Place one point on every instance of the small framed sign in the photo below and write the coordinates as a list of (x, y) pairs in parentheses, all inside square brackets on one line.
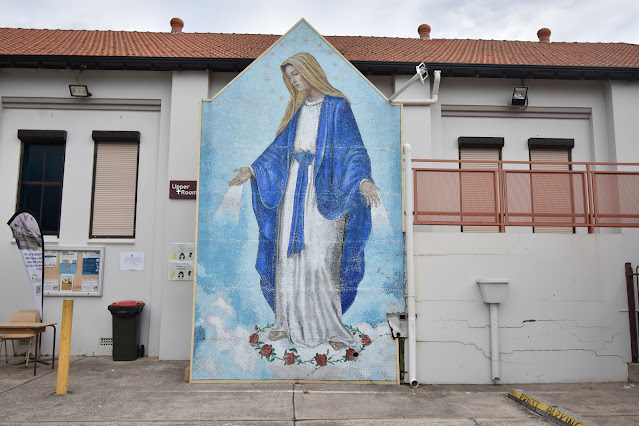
[(183, 189)]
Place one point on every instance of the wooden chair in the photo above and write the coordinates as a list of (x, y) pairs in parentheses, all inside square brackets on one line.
[(20, 316)]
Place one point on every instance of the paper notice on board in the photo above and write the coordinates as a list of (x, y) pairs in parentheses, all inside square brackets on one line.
[(68, 262), (90, 286), (90, 263), (51, 286), (68, 257), (50, 258), (66, 282), (131, 261)]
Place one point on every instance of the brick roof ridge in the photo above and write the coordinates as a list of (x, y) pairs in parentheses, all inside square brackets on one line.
[(326, 36)]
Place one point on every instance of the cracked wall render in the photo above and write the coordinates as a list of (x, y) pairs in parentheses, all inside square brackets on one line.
[(564, 319)]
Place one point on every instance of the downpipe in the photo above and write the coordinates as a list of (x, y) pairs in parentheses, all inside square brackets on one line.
[(494, 342), (434, 97), (410, 267)]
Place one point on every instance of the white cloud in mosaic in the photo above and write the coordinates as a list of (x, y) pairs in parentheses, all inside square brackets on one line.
[(201, 271), (233, 341), (209, 365), (224, 305)]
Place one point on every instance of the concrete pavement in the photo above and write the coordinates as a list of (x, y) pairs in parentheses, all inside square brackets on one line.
[(149, 391)]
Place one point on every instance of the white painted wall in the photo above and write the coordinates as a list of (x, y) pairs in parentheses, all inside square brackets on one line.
[(175, 317), (91, 319), (565, 317)]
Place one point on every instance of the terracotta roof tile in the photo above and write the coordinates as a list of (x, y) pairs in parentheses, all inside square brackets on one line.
[(29, 42)]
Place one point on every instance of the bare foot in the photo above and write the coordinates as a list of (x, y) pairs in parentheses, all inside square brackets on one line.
[(336, 345), (276, 335)]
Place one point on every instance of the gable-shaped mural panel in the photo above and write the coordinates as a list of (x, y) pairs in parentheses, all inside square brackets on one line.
[(299, 245)]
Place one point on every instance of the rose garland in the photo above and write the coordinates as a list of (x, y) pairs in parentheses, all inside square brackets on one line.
[(291, 357)]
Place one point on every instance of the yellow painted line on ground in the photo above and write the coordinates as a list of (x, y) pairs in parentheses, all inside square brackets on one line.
[(543, 409)]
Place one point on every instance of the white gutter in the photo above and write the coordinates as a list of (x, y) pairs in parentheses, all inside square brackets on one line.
[(410, 267), (420, 102)]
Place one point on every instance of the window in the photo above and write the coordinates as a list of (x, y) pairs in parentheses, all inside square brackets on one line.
[(41, 176), (115, 183), (551, 192), (478, 189)]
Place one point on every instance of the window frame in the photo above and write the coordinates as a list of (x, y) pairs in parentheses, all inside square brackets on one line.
[(114, 137), (45, 138), (559, 145), (468, 143)]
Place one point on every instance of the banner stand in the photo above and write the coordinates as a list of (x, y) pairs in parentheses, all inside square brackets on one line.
[(26, 231)]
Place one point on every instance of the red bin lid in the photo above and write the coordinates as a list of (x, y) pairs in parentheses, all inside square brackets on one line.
[(127, 303)]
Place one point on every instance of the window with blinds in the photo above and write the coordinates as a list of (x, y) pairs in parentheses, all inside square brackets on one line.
[(557, 186), (478, 189), (115, 183)]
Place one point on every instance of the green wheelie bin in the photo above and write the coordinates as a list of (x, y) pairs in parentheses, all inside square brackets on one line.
[(126, 330)]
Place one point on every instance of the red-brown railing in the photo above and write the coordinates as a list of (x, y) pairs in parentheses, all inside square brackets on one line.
[(509, 193)]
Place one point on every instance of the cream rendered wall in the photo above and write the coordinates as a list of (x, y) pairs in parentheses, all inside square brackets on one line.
[(187, 91), (565, 316), (622, 108), (91, 319), (563, 319)]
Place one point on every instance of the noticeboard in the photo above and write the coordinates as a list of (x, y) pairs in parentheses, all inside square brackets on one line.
[(73, 271)]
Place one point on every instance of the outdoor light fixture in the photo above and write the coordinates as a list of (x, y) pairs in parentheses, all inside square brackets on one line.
[(520, 96), (79, 90)]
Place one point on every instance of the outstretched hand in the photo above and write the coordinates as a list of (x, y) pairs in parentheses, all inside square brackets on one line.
[(370, 192), (243, 174)]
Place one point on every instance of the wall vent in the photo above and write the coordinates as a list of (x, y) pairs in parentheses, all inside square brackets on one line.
[(23, 342), (106, 341)]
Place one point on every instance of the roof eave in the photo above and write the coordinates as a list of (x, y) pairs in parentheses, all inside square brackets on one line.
[(366, 67), (504, 71)]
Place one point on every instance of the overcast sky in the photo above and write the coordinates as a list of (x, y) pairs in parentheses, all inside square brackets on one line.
[(569, 20)]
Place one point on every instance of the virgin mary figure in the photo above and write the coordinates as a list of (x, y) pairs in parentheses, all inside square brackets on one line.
[(312, 192)]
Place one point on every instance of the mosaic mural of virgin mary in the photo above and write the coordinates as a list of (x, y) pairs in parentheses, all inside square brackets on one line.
[(312, 192)]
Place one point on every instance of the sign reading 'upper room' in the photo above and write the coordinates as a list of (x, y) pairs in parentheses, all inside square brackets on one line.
[(183, 190)]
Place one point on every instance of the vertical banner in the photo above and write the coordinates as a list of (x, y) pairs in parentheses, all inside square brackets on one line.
[(26, 232)]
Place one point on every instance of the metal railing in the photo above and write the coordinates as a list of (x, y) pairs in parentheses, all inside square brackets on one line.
[(526, 193)]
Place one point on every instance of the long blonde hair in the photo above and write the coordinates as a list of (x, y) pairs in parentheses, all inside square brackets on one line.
[(308, 66)]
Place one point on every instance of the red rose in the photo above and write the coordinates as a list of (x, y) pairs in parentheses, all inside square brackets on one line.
[(349, 354), (266, 350), (289, 358), (320, 359), (256, 328), (255, 338), (366, 340)]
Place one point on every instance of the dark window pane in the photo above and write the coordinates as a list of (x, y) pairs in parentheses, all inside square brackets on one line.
[(31, 199), (43, 162), (50, 220), (54, 166), (33, 165)]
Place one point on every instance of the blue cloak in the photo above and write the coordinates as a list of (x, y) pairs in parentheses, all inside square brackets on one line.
[(341, 163)]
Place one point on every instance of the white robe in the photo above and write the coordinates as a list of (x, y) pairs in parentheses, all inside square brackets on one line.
[(307, 284)]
